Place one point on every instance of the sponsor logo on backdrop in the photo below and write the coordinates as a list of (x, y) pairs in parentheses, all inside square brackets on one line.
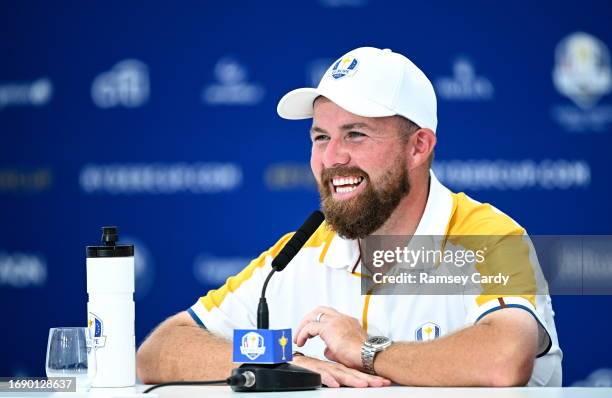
[(18, 180), (582, 73), (464, 84), (160, 178), (599, 378), (125, 85), (316, 69), (287, 176), (144, 267), (501, 174), (35, 93), (213, 270), (22, 270), (232, 86)]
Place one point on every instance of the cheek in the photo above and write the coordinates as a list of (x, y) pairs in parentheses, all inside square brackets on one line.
[(315, 164)]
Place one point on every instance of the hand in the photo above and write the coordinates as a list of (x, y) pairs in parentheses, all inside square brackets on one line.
[(336, 375), (342, 334)]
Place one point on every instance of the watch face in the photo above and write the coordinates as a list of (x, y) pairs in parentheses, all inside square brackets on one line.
[(378, 340)]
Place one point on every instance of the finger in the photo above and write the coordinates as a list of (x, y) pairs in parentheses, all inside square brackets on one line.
[(348, 379), (310, 330), (311, 316), (328, 380), (372, 380)]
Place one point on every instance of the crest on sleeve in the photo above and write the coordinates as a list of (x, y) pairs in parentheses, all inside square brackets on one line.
[(427, 331)]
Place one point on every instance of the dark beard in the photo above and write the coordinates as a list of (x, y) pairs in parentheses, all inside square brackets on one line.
[(362, 215)]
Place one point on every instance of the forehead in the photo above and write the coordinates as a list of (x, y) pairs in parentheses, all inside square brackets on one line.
[(328, 115)]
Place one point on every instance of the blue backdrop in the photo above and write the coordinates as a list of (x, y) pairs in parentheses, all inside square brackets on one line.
[(161, 118)]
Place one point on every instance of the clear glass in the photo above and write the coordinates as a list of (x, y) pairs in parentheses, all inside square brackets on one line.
[(70, 354)]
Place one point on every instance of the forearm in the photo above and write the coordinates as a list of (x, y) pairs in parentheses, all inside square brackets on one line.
[(481, 355), (183, 352)]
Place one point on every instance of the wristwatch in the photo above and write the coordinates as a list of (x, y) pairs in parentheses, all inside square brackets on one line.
[(372, 346)]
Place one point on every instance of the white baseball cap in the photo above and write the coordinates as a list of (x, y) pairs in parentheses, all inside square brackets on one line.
[(369, 82)]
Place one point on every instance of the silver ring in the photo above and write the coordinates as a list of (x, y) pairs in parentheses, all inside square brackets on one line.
[(319, 317)]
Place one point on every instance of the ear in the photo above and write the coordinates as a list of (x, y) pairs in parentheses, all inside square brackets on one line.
[(420, 146)]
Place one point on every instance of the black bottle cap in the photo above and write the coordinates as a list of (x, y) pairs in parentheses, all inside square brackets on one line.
[(110, 248)]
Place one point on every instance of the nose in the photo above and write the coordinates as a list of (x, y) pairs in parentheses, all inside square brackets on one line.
[(335, 154)]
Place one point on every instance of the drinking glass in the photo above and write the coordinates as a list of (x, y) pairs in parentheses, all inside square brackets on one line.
[(70, 354)]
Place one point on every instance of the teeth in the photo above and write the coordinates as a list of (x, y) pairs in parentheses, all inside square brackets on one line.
[(346, 180), (345, 189)]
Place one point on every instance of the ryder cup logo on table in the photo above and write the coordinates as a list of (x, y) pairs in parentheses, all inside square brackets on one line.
[(428, 331), (96, 329), (346, 66), (252, 345), (582, 72), (126, 85)]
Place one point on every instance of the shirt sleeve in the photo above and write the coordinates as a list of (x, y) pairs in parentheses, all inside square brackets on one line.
[(234, 305), (512, 256)]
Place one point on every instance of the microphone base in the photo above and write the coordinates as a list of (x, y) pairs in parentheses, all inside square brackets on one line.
[(278, 377)]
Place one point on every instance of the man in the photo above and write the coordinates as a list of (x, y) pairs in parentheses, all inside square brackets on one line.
[(373, 136)]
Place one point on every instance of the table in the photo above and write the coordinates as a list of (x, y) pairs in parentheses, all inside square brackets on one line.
[(385, 392)]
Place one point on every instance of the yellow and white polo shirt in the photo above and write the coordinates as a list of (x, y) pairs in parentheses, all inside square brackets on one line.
[(327, 272)]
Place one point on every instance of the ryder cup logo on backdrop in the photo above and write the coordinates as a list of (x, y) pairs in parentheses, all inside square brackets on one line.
[(252, 345), (582, 72), (464, 84), (345, 66), (232, 86), (125, 85)]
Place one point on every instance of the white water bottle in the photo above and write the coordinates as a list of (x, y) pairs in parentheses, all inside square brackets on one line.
[(110, 310)]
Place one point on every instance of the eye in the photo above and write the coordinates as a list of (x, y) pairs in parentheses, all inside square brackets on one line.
[(320, 137), (355, 134)]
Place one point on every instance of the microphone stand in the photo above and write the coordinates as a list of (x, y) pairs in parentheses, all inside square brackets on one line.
[(275, 376), (280, 376)]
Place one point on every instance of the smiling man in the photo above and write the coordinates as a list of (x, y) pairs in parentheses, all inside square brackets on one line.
[(373, 138)]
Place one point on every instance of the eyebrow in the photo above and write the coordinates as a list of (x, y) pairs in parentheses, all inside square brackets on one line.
[(348, 126)]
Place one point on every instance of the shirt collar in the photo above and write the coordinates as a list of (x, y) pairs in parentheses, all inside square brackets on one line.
[(344, 253)]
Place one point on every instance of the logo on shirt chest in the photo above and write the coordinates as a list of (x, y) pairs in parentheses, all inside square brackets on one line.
[(427, 331)]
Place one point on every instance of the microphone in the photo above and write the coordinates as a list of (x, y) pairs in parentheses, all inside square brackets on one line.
[(283, 258), (297, 241), (271, 372)]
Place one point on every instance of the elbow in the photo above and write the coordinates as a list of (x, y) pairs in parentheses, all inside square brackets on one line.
[(145, 370), (510, 371)]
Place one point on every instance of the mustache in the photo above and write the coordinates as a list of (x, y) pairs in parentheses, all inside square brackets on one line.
[(342, 171)]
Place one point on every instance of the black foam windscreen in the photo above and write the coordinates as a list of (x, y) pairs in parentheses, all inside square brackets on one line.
[(297, 240)]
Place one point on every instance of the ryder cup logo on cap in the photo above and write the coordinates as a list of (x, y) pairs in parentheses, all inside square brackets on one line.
[(369, 82), (345, 66)]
